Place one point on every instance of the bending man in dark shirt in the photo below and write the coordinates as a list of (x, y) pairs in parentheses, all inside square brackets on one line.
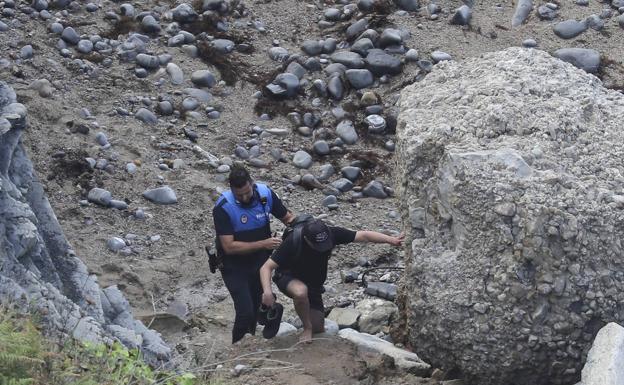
[(301, 277), (241, 219)]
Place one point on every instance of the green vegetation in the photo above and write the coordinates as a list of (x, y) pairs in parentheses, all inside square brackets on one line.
[(27, 358)]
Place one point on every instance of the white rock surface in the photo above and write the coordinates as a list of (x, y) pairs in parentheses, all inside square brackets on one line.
[(403, 359), (605, 361)]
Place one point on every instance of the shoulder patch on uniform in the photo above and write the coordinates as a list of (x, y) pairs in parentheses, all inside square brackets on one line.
[(244, 218)]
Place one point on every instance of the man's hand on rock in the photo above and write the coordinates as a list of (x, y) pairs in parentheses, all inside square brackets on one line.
[(397, 241)]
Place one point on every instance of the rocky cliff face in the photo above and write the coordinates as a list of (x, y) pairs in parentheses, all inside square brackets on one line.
[(510, 176), (38, 269)]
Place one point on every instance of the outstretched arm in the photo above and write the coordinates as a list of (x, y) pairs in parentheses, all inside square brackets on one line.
[(377, 237), (286, 219), (265, 279)]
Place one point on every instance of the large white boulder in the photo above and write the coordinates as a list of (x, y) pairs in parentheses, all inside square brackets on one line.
[(511, 176)]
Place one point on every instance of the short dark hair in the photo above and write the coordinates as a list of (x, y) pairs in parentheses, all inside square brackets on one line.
[(239, 176)]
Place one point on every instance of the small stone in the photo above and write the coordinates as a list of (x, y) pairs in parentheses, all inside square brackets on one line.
[(302, 159), (162, 195), (85, 46), (146, 116), (203, 78), (351, 173), (69, 35), (438, 56), (529, 43), (321, 147), (26, 52), (312, 47), (115, 244), (375, 189), (359, 78), (176, 74), (411, 55), (99, 196), (569, 29), (585, 59), (150, 25), (346, 131), (342, 184), (462, 15)]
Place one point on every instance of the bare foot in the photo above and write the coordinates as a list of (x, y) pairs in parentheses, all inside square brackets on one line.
[(306, 336)]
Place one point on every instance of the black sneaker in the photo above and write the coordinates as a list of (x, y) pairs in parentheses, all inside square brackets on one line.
[(274, 319), (262, 313)]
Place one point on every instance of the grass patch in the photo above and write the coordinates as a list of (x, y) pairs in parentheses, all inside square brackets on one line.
[(28, 358)]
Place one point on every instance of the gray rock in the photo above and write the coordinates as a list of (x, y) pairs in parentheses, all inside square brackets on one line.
[(284, 85), (279, 54), (346, 131), (330, 200), (342, 185), (620, 20), (361, 46), (165, 107), (184, 13), (411, 55), (523, 9), (359, 78), (190, 104), (329, 45), (26, 52), (312, 47), (223, 46), (148, 61), (146, 116), (176, 74), (462, 15), (70, 36), (85, 46), (438, 56), (404, 360), (529, 43), (408, 5), (382, 289), (201, 95), (56, 28), (356, 28), (321, 147), (546, 13), (345, 317), (162, 195), (335, 68), (376, 124), (150, 25), (380, 63), (335, 88), (375, 314), (99, 196), (302, 159), (127, 10), (115, 244), (585, 59), (390, 37), (375, 189), (203, 78), (332, 14), (569, 28), (348, 59), (326, 172), (296, 69), (595, 22), (351, 173)]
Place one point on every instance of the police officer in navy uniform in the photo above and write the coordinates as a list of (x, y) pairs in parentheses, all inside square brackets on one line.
[(241, 219)]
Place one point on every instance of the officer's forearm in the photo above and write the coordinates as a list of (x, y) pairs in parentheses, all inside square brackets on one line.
[(375, 237), (238, 247)]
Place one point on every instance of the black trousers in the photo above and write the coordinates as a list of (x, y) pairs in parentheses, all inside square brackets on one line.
[(242, 279)]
